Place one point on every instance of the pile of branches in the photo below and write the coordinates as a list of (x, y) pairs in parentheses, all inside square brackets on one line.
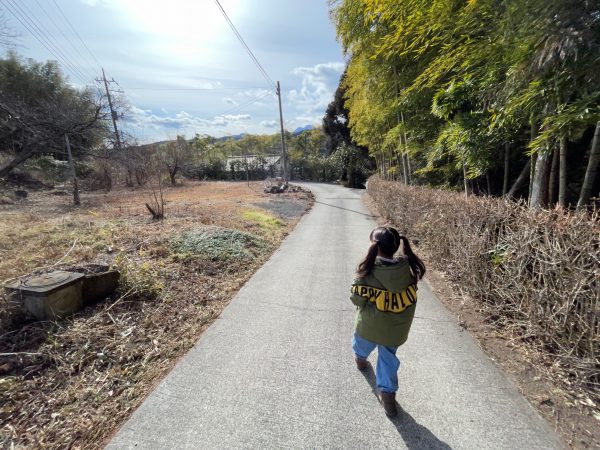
[(533, 270)]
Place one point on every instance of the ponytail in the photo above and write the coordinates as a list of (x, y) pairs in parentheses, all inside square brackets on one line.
[(366, 266), (386, 241), (416, 265)]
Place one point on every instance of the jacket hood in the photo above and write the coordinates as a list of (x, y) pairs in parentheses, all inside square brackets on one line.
[(393, 276)]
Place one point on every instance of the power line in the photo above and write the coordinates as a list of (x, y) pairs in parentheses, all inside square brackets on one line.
[(188, 89), (35, 22), (75, 32), (268, 78), (22, 20), (241, 39), (69, 40), (48, 45), (253, 100), (38, 34)]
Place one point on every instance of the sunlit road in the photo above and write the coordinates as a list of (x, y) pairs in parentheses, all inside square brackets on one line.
[(276, 369)]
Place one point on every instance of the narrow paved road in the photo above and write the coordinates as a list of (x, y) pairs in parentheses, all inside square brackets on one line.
[(276, 369)]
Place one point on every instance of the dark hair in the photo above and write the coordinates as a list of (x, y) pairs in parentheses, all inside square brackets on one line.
[(387, 239)]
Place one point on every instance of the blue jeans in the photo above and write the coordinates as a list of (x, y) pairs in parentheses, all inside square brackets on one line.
[(387, 362)]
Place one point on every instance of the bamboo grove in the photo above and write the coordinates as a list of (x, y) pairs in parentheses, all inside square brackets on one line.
[(498, 96)]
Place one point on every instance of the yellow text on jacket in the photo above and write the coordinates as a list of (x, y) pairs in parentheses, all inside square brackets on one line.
[(385, 300)]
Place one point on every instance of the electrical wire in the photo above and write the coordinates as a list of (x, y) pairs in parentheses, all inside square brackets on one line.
[(38, 34), (67, 38), (188, 89), (253, 100), (32, 23), (41, 40), (35, 22), (76, 33), (241, 39)]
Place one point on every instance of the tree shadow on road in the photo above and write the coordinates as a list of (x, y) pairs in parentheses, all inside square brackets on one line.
[(415, 435)]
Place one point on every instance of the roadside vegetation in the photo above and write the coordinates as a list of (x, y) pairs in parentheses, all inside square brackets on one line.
[(491, 97), (498, 100), (533, 273), (71, 383), (183, 246), (44, 117)]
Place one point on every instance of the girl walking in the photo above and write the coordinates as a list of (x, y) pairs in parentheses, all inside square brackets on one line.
[(385, 293)]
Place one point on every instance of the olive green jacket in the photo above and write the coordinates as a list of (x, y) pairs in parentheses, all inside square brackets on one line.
[(386, 301)]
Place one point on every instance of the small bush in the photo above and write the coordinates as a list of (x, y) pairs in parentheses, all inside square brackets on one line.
[(138, 279), (218, 244)]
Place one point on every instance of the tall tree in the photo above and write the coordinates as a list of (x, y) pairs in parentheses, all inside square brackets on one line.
[(335, 121), (591, 170), (506, 62)]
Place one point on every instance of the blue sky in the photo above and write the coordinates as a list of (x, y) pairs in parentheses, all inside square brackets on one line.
[(158, 51)]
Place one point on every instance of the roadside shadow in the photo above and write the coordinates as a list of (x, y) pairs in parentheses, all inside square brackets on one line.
[(346, 209), (415, 435)]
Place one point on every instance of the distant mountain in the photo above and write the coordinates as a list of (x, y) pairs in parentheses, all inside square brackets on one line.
[(235, 137), (302, 129), (159, 143)]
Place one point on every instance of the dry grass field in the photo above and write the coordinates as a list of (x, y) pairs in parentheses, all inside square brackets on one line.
[(71, 383)]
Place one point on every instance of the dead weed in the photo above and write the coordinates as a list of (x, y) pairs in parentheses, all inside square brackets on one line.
[(72, 383)]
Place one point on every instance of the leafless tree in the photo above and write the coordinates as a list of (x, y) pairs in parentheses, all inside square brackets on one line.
[(41, 129), (156, 204), (175, 155), (7, 35)]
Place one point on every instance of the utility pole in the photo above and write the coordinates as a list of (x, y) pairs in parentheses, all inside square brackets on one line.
[(76, 200), (283, 155), (113, 113)]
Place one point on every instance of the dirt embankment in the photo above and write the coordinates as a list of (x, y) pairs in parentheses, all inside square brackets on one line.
[(72, 383)]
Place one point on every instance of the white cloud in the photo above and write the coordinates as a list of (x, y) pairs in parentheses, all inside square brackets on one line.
[(322, 68), (145, 118), (173, 62), (269, 123), (258, 92), (237, 117), (138, 111), (319, 83), (230, 101)]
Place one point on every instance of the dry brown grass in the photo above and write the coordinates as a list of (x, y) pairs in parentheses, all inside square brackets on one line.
[(73, 382), (533, 271)]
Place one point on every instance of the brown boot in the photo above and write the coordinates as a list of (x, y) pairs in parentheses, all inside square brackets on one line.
[(361, 364), (388, 400)]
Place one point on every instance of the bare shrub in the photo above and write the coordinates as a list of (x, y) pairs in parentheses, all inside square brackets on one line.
[(157, 206), (533, 270)]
